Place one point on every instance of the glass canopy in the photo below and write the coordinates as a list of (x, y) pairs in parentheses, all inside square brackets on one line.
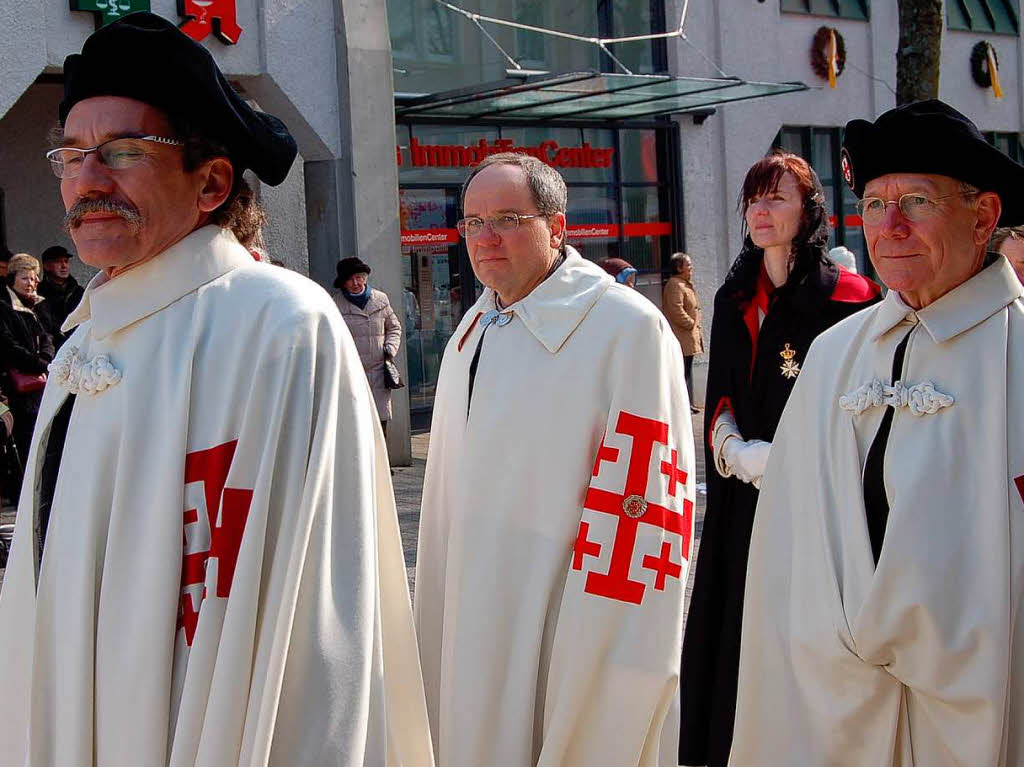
[(586, 96)]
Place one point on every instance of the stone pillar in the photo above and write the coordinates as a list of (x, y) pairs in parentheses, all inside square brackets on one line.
[(352, 200)]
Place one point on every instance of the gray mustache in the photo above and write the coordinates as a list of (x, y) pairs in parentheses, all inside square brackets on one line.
[(83, 207)]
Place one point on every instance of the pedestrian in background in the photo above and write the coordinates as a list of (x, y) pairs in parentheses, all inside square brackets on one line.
[(681, 306), (26, 345), (844, 257), (374, 326), (60, 289), (623, 271), (1009, 241), (781, 292)]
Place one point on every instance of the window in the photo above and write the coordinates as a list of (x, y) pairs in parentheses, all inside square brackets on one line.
[(844, 9), (437, 49), (998, 16), (530, 45), (1007, 143), (421, 29), (820, 147)]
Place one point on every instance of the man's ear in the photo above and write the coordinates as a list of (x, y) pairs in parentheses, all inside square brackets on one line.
[(989, 208), (558, 234), (217, 176)]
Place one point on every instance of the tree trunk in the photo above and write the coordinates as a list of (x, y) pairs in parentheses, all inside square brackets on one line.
[(917, 57)]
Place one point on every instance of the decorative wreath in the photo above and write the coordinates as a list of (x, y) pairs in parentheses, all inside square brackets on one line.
[(819, 52), (979, 63)]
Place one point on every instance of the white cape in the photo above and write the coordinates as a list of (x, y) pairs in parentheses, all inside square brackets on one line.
[(920, 660), (549, 619), (222, 582)]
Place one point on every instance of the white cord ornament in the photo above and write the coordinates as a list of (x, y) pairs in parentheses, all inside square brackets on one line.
[(83, 376), (921, 399)]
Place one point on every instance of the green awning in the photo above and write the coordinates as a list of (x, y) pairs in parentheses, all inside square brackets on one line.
[(587, 96)]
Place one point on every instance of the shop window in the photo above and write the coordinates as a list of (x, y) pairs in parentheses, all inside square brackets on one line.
[(1007, 143), (844, 9), (997, 16), (820, 147)]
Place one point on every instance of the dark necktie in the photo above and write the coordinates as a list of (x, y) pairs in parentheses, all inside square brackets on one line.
[(876, 503)]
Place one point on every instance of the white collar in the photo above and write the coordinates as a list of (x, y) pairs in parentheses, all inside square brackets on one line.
[(201, 257), (968, 304), (556, 307)]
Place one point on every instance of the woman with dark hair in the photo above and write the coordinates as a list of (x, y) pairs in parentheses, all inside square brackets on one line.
[(781, 292), (26, 345)]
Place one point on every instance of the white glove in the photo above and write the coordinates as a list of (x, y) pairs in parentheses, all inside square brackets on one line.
[(746, 460)]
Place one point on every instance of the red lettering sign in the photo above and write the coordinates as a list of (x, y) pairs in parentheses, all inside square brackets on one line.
[(459, 156), (430, 236), (206, 16), (217, 534)]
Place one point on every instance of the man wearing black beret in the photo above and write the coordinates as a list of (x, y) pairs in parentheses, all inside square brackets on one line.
[(59, 287), (884, 619), (221, 579)]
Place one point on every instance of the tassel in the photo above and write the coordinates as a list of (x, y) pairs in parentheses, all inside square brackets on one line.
[(833, 59), (993, 71)]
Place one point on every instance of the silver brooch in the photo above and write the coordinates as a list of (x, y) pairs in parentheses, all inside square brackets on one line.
[(501, 319)]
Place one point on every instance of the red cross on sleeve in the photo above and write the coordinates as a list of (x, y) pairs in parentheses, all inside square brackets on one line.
[(633, 508)]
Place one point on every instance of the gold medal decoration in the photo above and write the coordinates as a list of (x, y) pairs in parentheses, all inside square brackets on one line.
[(790, 368)]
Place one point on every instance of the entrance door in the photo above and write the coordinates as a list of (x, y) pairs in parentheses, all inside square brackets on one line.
[(438, 282)]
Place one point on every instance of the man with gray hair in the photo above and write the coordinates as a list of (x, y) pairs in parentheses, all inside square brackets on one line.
[(558, 502)]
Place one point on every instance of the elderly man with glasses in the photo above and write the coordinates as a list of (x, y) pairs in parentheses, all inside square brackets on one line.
[(558, 502), (884, 620), (221, 581)]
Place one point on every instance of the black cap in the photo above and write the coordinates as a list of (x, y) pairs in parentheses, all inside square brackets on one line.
[(931, 137), (54, 252), (347, 267), (144, 57)]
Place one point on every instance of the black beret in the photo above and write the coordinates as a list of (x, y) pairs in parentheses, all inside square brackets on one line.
[(931, 137), (54, 251), (144, 57), (347, 267)]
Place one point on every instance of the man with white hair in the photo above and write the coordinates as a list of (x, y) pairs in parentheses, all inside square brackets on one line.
[(558, 502), (884, 616)]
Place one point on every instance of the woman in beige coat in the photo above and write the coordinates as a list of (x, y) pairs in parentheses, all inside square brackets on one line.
[(374, 326), (681, 306)]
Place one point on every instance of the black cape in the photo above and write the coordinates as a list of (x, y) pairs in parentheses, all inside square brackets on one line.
[(758, 393)]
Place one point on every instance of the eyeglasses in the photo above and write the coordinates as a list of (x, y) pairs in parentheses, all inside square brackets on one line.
[(503, 224), (116, 154), (915, 207)]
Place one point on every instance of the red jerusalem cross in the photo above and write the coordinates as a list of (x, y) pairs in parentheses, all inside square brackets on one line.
[(631, 508), (219, 534), (205, 16)]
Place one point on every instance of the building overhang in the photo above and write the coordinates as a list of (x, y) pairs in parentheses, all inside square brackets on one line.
[(585, 96)]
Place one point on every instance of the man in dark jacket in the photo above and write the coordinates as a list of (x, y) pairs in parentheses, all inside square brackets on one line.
[(61, 291)]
